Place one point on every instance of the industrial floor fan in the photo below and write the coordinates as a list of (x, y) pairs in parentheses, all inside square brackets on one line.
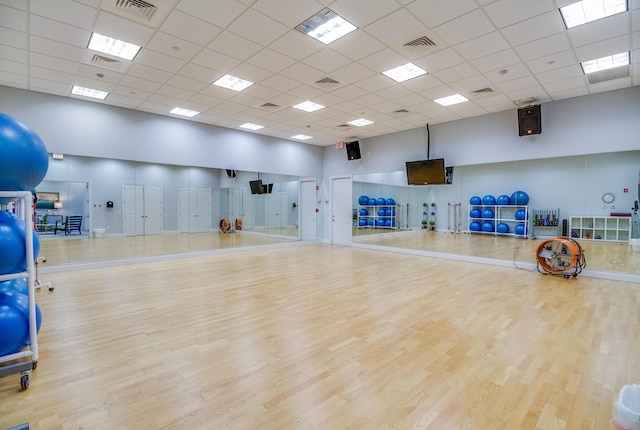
[(560, 256)]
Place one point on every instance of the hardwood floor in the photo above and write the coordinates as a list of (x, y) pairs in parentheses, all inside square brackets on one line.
[(327, 337)]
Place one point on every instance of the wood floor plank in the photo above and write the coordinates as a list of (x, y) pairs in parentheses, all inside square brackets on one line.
[(327, 337)]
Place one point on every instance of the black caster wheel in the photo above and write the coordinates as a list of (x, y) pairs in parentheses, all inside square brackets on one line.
[(34, 365), (24, 382), (50, 288)]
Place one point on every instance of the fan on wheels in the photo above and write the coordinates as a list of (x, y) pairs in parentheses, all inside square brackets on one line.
[(561, 256)]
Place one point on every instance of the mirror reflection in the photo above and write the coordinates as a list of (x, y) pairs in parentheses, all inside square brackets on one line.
[(92, 210)]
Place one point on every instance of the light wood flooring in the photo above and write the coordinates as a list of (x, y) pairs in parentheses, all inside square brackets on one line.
[(327, 337)]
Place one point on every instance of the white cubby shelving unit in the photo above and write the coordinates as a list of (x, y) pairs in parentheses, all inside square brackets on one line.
[(370, 218), (607, 228), (27, 359), (505, 214)]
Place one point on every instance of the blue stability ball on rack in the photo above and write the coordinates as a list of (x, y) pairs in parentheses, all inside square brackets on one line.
[(364, 212), (475, 213), (379, 222), (387, 212), (520, 229), (519, 198), (381, 201), (370, 222), (487, 213), (24, 160), (372, 202), (520, 215), (381, 212), (14, 322), (12, 244), (362, 222), (475, 226), (503, 200), (363, 200), (502, 227), (387, 223), (475, 201), (488, 226), (488, 200), (15, 286), (391, 202)]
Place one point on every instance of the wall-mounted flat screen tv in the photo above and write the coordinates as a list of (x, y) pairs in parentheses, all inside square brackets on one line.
[(256, 186), (426, 172)]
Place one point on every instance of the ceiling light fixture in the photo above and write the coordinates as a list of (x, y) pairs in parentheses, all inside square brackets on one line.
[(89, 92), (232, 83), (451, 100), (326, 26), (184, 112), (301, 137), (586, 11), (605, 63), (308, 106), (404, 72), (250, 126), (111, 46), (360, 122)]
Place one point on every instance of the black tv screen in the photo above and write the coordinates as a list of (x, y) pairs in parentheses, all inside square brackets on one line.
[(426, 172), (256, 186)]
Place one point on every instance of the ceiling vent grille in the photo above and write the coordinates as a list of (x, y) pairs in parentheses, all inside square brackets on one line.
[(608, 75), (138, 8), (420, 42), (327, 81), (271, 107), (344, 126), (483, 91), (400, 111), (110, 63)]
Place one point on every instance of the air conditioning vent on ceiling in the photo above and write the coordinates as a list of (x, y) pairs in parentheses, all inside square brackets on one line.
[(344, 126), (420, 42), (138, 8), (271, 107), (99, 60), (400, 111), (483, 90), (325, 81), (608, 75)]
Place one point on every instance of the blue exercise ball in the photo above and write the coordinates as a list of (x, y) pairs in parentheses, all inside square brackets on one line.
[(379, 222), (387, 223), (370, 222), (475, 201), (391, 202), (475, 226), (488, 200), (487, 213), (488, 226), (362, 222), (372, 202), (387, 212), (519, 198), (12, 244), (503, 200), (520, 230), (364, 212), (24, 161), (381, 212), (520, 215), (381, 201), (502, 227), (14, 322), (393, 222), (19, 286), (475, 213), (363, 200)]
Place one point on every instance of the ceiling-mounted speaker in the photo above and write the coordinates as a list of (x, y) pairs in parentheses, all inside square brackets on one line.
[(353, 150), (529, 120), (231, 173)]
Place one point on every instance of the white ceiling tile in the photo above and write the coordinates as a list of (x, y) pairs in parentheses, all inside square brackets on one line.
[(199, 73), (363, 12), (440, 60), (544, 47), (14, 54), (496, 61), (354, 72), (603, 48), (15, 4), (569, 93), (593, 32), (560, 74), (14, 80), (357, 45), (397, 28), (535, 28), (234, 46), (383, 60), (150, 73), (215, 61), (122, 29), (14, 38), (327, 60), (174, 92), (456, 73), (514, 71), (508, 12), (12, 18), (467, 86), (435, 12), (465, 27), (57, 49), (257, 27), (190, 28), (280, 83), (560, 59), (296, 45), (53, 63), (122, 101), (159, 61), (614, 84), (518, 84), (482, 46), (50, 87), (110, 76), (13, 67), (291, 13), (185, 83), (250, 72), (270, 60), (65, 11), (220, 13), (173, 46), (562, 85), (140, 83), (49, 29)]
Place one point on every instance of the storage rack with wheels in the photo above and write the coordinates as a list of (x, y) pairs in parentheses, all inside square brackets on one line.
[(511, 215), (369, 217), (27, 359)]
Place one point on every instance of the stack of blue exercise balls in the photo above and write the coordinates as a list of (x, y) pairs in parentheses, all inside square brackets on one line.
[(481, 217), (23, 165), (385, 213)]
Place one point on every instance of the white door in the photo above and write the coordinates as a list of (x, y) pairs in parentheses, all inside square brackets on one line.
[(277, 207), (307, 209), (152, 209), (341, 212), (133, 210), (194, 209), (241, 206)]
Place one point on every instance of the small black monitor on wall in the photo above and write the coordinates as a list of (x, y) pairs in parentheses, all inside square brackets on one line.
[(256, 186)]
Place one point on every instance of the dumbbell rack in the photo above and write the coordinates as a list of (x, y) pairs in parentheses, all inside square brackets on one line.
[(28, 356)]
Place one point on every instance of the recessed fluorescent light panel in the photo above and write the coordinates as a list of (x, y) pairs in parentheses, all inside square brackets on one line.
[(404, 72), (605, 63), (89, 92), (232, 83), (360, 122), (326, 26), (301, 137), (111, 46), (590, 10), (250, 126), (451, 100), (308, 106), (184, 112)]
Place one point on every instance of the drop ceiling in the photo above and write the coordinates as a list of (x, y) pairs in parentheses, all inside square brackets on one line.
[(499, 54)]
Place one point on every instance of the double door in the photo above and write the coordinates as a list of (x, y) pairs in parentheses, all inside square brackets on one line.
[(142, 209), (194, 209)]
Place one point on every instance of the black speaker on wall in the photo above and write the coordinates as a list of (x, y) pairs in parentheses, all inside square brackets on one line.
[(231, 173), (353, 150), (529, 120)]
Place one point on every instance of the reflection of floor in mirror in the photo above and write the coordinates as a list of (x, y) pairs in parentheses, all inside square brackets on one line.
[(81, 249), (600, 255)]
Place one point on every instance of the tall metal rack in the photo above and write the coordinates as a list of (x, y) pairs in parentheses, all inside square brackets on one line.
[(28, 358)]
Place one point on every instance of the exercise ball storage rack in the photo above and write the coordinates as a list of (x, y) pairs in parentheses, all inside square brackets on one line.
[(27, 359), (560, 256)]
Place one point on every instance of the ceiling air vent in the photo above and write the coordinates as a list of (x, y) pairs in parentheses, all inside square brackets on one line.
[(400, 111), (99, 60), (138, 8), (271, 107), (610, 74), (420, 42), (344, 126), (325, 81), (483, 91)]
